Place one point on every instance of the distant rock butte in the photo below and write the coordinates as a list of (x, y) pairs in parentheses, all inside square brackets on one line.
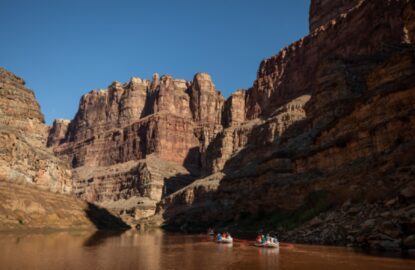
[(318, 149)]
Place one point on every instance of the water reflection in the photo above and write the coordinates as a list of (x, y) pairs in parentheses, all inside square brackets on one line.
[(269, 251), (99, 237), (156, 250)]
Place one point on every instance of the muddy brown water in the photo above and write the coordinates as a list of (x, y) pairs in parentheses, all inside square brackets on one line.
[(159, 250)]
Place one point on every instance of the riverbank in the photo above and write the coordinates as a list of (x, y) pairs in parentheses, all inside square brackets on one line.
[(375, 227), (23, 207)]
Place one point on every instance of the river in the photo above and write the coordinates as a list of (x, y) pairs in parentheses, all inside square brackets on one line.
[(159, 250)]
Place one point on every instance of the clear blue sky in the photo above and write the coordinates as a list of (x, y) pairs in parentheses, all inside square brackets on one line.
[(64, 49)]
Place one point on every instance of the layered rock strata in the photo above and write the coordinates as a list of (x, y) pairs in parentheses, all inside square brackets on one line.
[(23, 153), (131, 189), (323, 11), (322, 135), (119, 135), (32, 179), (25, 207), (345, 156), (142, 117), (367, 28)]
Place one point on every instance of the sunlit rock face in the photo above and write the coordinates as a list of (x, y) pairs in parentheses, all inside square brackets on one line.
[(36, 187), (24, 157), (26, 206), (234, 110), (142, 117), (116, 130), (57, 131)]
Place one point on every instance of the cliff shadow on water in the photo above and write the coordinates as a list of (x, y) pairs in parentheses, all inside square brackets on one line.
[(103, 219), (99, 237)]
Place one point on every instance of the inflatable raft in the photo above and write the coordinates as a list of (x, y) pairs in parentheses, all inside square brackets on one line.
[(228, 240), (268, 244)]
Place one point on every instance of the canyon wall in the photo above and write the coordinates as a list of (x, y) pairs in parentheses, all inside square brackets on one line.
[(129, 121), (23, 153), (320, 148), (365, 29), (325, 154), (36, 186), (323, 11), (133, 143)]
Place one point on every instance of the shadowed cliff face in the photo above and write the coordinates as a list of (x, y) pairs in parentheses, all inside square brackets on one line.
[(323, 11), (367, 28), (324, 153)]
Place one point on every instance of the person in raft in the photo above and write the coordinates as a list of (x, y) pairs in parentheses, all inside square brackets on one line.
[(275, 239), (225, 235), (219, 237), (259, 238), (271, 239)]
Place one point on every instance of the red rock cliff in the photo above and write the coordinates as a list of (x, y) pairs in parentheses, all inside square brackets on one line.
[(367, 28), (118, 128), (323, 11), (31, 177), (23, 156), (322, 136), (324, 154)]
